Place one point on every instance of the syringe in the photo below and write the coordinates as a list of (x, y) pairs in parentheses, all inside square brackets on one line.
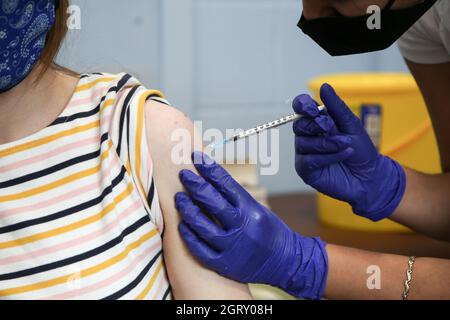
[(258, 129)]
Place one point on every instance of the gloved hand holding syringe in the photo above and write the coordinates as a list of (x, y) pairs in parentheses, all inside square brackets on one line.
[(258, 129)]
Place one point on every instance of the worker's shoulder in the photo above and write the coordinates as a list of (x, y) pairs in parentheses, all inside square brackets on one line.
[(428, 40)]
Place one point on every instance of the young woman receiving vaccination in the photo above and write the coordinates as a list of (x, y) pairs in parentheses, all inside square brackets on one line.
[(86, 185)]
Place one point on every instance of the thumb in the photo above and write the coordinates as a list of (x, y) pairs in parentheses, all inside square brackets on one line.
[(306, 106), (346, 121)]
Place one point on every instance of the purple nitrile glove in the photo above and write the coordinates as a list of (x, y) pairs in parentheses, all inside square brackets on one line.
[(233, 234), (341, 161)]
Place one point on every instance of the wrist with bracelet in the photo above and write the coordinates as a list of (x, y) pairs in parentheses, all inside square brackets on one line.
[(409, 277)]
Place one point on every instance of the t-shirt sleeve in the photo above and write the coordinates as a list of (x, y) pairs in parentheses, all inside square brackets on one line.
[(128, 133), (422, 43)]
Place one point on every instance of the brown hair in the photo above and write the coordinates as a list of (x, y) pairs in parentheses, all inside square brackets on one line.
[(55, 39)]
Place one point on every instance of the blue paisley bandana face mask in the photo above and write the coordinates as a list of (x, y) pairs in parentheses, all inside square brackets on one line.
[(24, 25)]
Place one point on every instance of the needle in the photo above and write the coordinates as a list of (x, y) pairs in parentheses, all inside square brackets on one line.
[(258, 129)]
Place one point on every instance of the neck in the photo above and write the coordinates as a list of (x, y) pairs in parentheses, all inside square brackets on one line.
[(33, 104)]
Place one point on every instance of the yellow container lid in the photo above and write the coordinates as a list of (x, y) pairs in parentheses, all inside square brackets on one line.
[(362, 83)]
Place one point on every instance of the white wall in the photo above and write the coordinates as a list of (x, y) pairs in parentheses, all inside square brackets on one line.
[(230, 63)]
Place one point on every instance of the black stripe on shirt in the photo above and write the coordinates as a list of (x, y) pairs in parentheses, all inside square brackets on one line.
[(80, 257), (135, 282), (125, 107), (79, 115), (120, 84), (128, 144), (151, 193), (64, 213), (157, 98), (166, 294), (55, 168), (128, 132)]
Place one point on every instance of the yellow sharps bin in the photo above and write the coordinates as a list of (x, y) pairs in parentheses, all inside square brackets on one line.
[(405, 134)]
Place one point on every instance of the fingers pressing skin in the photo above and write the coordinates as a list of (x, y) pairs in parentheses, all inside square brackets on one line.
[(210, 199), (200, 158), (198, 248), (218, 177), (199, 223)]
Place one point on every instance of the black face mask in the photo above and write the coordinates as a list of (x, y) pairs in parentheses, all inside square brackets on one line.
[(351, 35)]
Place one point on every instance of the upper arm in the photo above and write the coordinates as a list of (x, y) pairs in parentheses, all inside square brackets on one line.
[(189, 279), (434, 83)]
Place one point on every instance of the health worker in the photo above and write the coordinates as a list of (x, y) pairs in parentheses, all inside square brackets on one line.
[(247, 242)]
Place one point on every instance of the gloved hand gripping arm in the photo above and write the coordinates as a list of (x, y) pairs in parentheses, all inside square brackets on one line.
[(243, 240)]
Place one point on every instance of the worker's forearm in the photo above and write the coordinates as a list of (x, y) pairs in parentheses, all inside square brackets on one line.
[(425, 206), (358, 274)]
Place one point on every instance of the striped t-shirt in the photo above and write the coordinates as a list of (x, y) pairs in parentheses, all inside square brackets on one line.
[(79, 212)]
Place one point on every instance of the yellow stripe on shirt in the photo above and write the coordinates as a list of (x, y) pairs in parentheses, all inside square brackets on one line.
[(107, 103), (70, 227), (139, 134), (91, 84), (57, 183), (81, 274), (36, 143), (31, 237), (149, 286)]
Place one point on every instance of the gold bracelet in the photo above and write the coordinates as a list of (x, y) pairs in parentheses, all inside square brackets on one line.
[(409, 275)]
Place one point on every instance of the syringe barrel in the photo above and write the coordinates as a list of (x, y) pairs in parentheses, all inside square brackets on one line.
[(269, 125)]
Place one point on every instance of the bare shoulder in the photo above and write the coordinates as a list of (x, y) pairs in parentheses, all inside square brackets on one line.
[(188, 278), (163, 125), (165, 118)]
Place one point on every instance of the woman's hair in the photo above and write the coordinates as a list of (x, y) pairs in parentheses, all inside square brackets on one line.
[(55, 38)]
